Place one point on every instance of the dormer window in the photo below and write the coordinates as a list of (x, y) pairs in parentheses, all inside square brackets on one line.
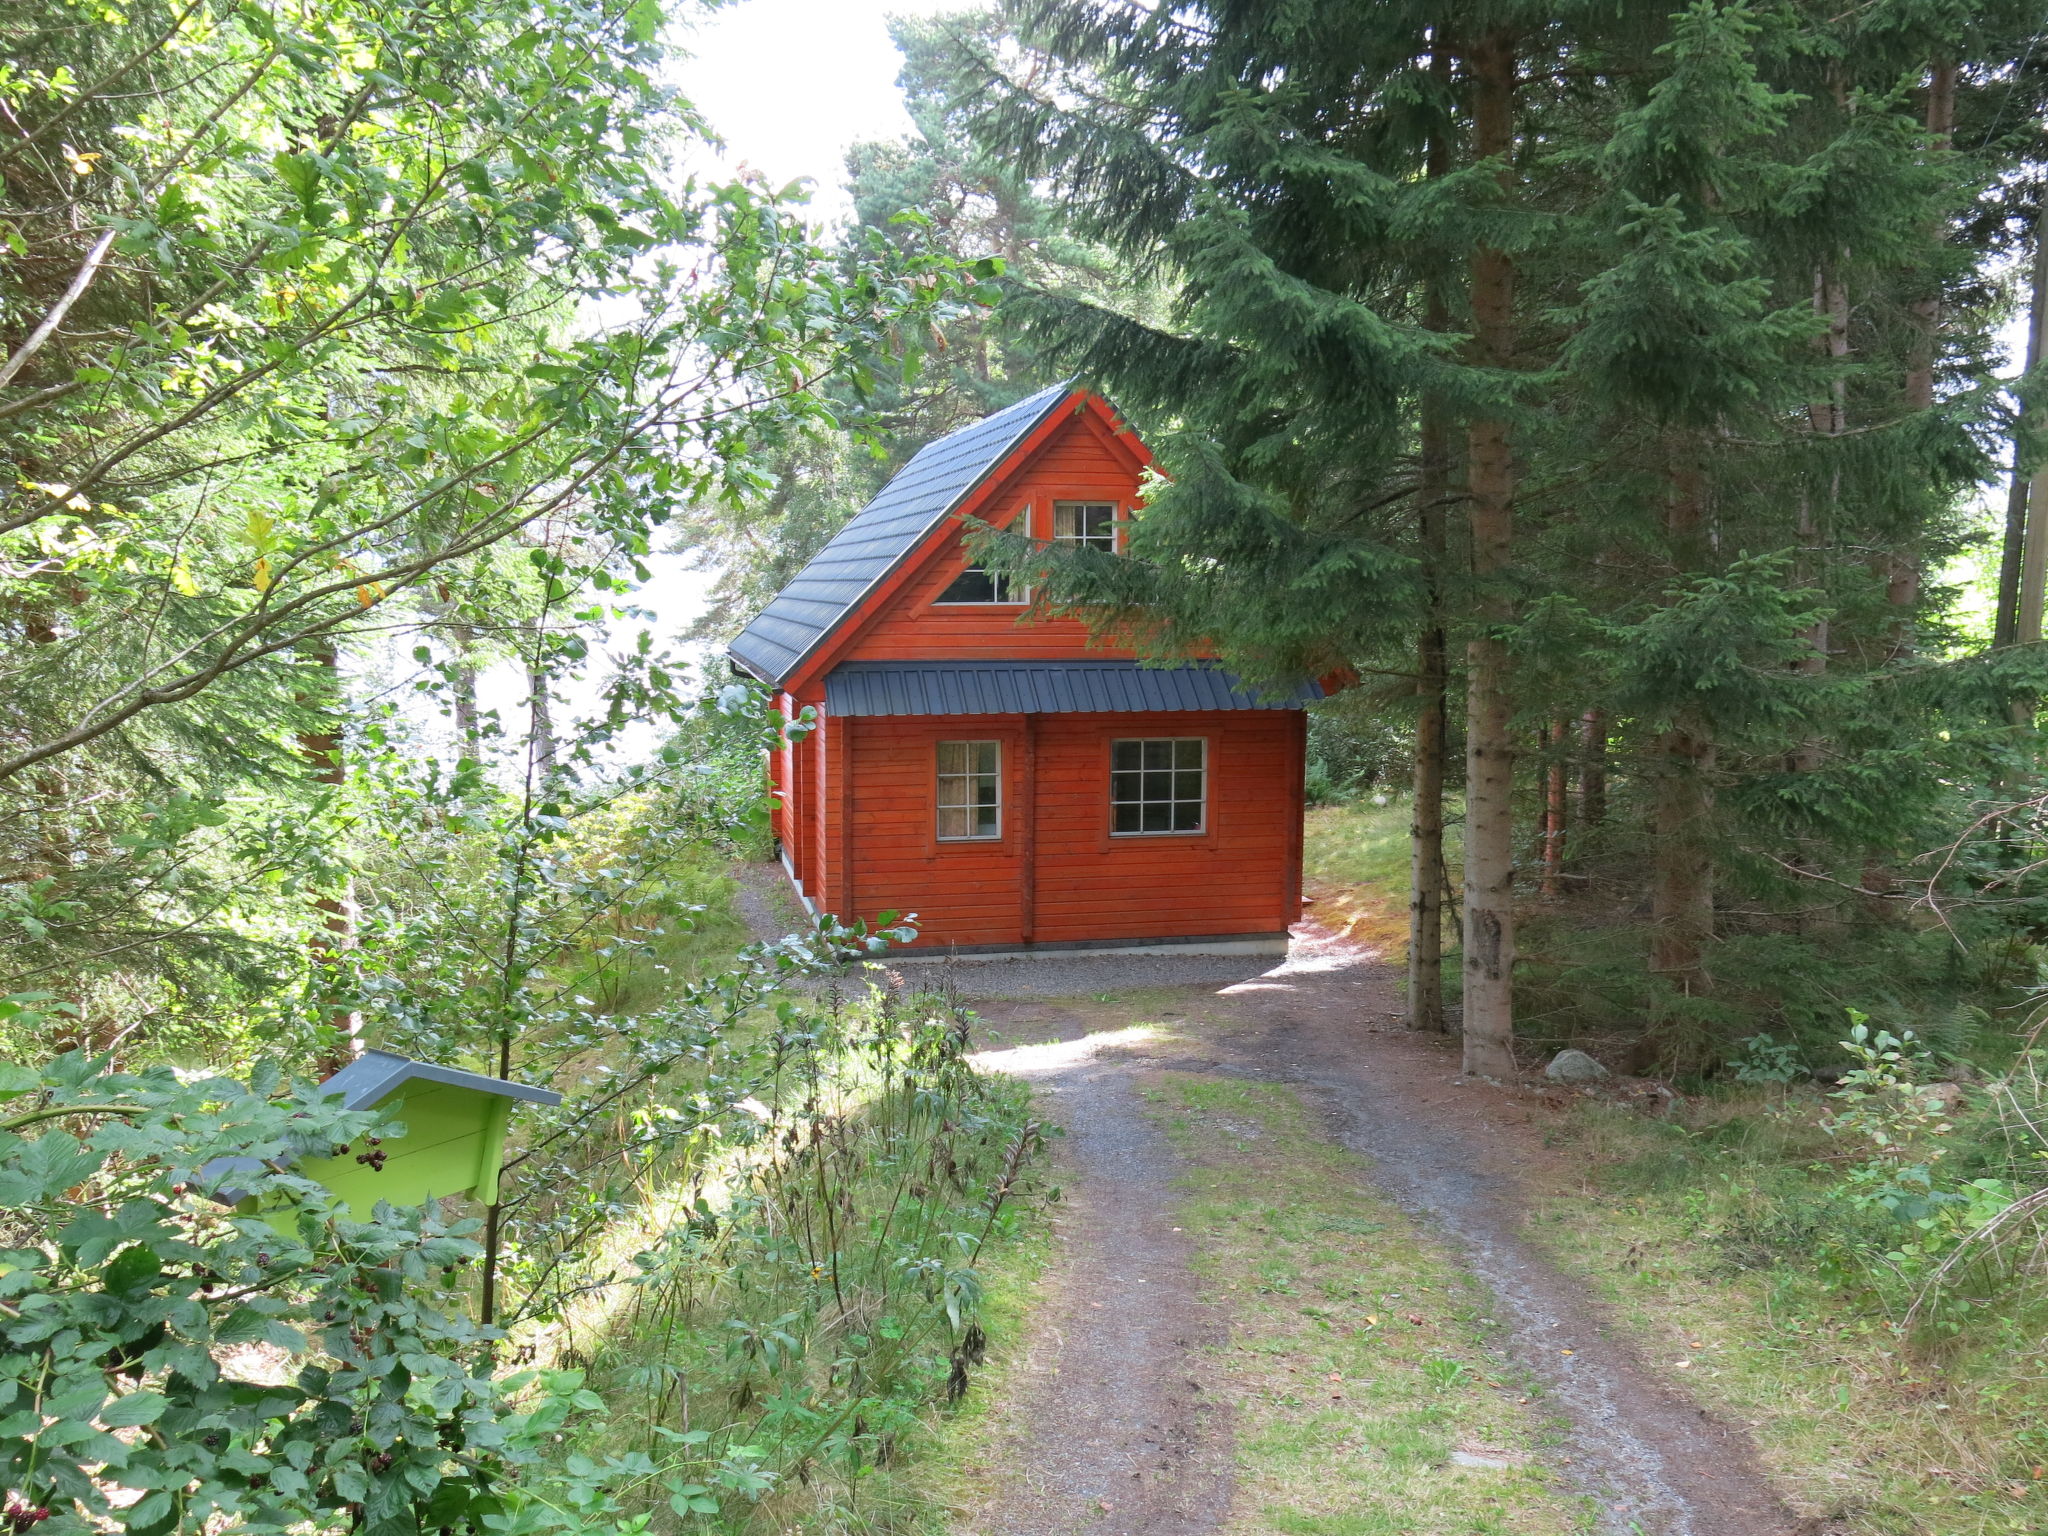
[(974, 585), (1085, 524)]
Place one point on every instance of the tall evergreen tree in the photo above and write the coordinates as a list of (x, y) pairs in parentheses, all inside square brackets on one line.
[(1665, 305)]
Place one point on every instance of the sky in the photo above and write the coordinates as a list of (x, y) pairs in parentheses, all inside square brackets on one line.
[(791, 84)]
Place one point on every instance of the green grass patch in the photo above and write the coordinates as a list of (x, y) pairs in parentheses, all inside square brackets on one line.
[(1355, 868), (1359, 1360)]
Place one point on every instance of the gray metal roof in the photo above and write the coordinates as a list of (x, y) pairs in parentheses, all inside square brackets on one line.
[(375, 1075), (940, 476), (1044, 687)]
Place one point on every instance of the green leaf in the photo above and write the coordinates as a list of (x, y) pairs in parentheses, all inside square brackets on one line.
[(643, 20), (134, 1408), (45, 1168)]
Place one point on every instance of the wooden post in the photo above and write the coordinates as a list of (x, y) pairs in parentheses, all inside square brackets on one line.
[(1026, 811)]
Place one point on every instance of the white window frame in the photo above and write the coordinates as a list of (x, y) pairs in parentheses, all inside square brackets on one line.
[(1018, 595), (1202, 825), (965, 777), (1116, 525)]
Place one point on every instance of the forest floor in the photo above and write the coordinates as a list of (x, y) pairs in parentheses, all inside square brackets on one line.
[(1290, 1289)]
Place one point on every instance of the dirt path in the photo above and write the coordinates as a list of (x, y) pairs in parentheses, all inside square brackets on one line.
[(1114, 1435), (1459, 1154), (1121, 1440), (1116, 1441)]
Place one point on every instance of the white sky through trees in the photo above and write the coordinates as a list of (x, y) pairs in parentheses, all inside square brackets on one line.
[(791, 84), (788, 86)]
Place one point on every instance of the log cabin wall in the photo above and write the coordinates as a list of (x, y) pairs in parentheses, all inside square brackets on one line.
[(1057, 875), (861, 637)]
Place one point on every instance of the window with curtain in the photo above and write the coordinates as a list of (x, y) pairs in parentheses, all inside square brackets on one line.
[(1088, 524), (970, 791)]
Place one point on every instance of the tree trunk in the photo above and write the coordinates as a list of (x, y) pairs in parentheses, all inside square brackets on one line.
[(468, 727), (1682, 864), (1902, 566), (1925, 343), (1682, 886), (540, 722), (1426, 815), (1489, 1021), (1828, 418), (1426, 845), (321, 751), (1554, 810), (2005, 630), (1592, 768)]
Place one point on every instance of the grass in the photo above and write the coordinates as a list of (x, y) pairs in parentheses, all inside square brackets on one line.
[(1710, 1232), (959, 1458), (1355, 857), (1359, 1359)]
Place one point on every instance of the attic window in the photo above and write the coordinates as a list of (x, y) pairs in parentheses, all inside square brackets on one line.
[(974, 585), (1085, 524)]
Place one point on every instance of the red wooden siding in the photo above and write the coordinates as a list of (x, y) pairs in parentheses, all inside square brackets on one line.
[(858, 809), (1056, 875), (1082, 461)]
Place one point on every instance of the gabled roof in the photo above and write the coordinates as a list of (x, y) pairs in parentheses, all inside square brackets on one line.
[(882, 535), (1049, 688), (375, 1075)]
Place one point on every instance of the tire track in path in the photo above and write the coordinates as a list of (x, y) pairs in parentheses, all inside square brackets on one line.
[(1100, 1385), (1111, 1433)]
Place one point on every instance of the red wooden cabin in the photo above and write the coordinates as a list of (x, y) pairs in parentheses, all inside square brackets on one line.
[(985, 767)]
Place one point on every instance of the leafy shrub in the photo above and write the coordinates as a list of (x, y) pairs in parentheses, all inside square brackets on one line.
[(171, 1365)]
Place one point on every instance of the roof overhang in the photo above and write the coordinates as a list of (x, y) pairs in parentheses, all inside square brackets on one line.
[(913, 688)]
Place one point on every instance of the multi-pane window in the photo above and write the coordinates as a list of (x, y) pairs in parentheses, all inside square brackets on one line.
[(974, 585), (1090, 524), (1158, 785), (970, 790)]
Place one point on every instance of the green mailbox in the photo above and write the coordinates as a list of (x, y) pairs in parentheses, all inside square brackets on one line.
[(454, 1141)]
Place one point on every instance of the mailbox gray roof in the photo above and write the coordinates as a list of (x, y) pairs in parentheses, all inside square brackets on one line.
[(375, 1075), (1045, 687), (934, 483)]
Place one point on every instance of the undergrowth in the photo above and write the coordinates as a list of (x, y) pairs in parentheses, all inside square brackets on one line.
[(1864, 1268), (802, 1302)]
